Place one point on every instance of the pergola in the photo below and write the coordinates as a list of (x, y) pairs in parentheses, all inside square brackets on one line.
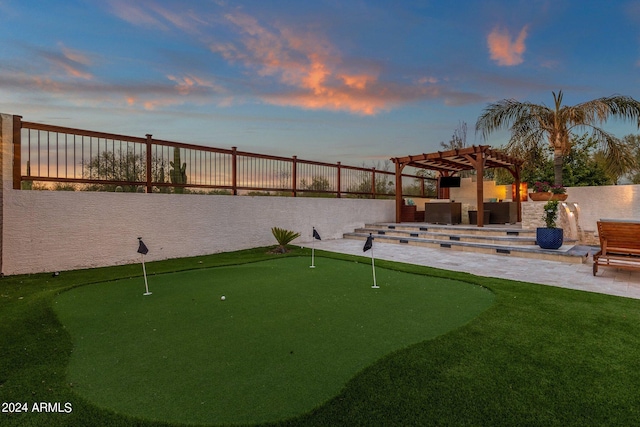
[(448, 163)]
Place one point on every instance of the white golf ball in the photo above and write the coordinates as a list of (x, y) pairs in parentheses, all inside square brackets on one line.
[(222, 298)]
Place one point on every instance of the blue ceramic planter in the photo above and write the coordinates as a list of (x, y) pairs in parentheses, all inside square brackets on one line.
[(549, 238)]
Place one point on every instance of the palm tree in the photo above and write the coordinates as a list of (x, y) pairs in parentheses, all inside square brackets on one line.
[(532, 125)]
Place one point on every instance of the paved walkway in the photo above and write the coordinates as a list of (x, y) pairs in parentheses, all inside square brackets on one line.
[(573, 276)]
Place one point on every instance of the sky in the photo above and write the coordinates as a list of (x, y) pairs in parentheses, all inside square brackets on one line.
[(328, 80)]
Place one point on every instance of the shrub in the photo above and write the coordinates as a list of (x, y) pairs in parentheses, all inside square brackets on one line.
[(550, 213), (283, 237)]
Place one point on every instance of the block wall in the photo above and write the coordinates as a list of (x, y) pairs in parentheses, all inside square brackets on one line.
[(56, 230)]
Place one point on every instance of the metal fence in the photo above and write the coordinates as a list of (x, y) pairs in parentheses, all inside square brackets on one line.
[(54, 157)]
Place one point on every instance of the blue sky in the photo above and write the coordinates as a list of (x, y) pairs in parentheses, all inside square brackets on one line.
[(330, 80)]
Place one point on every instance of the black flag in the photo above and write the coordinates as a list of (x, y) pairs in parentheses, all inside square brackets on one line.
[(316, 235), (368, 244), (142, 248)]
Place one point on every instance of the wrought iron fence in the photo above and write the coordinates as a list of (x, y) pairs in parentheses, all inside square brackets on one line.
[(54, 157)]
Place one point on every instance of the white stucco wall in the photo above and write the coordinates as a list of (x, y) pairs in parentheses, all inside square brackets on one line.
[(610, 201), (53, 230), (47, 231), (57, 230)]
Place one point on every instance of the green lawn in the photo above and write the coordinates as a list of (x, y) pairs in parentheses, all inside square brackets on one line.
[(537, 356), (286, 339)]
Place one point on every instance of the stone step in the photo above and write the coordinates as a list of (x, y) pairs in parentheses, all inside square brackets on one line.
[(569, 252), (488, 230), (454, 235)]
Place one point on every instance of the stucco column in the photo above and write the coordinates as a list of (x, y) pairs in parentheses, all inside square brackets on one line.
[(6, 169)]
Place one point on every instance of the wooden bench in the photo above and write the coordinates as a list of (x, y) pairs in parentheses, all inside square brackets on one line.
[(619, 245)]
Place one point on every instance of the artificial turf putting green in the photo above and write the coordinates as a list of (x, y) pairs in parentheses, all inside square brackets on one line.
[(286, 339)]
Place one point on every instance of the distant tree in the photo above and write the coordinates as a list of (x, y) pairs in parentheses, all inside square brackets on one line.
[(318, 183), (458, 139), (415, 188), (126, 166), (382, 186), (318, 187), (284, 177), (533, 126), (583, 165), (48, 186), (633, 141)]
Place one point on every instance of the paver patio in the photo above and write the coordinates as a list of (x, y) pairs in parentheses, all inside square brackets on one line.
[(567, 275)]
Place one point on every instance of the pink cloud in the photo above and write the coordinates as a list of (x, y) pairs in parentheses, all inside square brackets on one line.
[(185, 88), (357, 81), (189, 84), (308, 64), (145, 13), (71, 62), (503, 49), (136, 14)]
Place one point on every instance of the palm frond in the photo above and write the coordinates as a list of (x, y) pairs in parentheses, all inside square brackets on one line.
[(619, 157), (284, 237), (599, 110), (530, 124), (503, 114)]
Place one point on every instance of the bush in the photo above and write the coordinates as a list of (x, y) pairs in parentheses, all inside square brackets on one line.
[(283, 237)]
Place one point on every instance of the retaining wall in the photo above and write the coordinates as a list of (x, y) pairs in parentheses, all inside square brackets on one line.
[(45, 231), (52, 230), (610, 201)]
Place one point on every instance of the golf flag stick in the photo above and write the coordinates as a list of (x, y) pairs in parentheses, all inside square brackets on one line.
[(143, 250), (369, 245), (313, 241)]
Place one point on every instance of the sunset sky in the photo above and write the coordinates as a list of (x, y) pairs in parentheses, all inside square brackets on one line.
[(350, 80)]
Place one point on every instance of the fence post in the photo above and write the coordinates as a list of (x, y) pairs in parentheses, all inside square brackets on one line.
[(17, 147), (373, 183), (294, 176), (234, 171), (149, 186), (339, 180)]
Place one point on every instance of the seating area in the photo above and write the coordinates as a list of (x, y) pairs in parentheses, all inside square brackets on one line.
[(619, 245), (502, 212), (443, 213)]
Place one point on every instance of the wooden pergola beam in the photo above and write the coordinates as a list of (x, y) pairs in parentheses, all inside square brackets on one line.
[(477, 157)]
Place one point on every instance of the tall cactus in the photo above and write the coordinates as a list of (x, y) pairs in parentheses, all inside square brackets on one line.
[(178, 173), (27, 185)]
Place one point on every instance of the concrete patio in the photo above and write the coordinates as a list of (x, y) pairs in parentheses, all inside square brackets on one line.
[(567, 275)]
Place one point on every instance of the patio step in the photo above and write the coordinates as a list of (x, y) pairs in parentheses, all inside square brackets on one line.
[(498, 240), (487, 230), (454, 235)]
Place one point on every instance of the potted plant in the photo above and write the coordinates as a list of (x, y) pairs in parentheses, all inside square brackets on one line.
[(550, 237), (558, 192), (543, 191)]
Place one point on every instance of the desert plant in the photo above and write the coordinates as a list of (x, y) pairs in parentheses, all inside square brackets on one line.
[(178, 173), (283, 237)]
